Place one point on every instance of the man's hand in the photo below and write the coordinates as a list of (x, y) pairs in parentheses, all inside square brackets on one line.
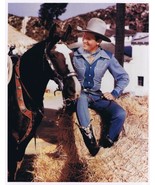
[(109, 96)]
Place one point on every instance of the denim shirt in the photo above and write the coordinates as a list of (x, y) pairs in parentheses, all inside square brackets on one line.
[(90, 75)]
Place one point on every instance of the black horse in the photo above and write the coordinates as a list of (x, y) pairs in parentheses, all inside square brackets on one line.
[(46, 60)]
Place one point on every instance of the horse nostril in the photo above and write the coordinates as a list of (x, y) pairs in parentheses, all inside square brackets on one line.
[(77, 96)]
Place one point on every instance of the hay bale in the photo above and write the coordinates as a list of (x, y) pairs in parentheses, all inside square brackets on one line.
[(126, 161)]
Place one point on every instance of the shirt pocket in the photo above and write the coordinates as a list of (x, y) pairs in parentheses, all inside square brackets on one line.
[(80, 69), (100, 70), (79, 64)]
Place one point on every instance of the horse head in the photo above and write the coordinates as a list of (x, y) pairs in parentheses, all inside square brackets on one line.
[(59, 58)]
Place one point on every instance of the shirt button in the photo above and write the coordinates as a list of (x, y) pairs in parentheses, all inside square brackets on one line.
[(89, 82), (90, 67), (89, 75)]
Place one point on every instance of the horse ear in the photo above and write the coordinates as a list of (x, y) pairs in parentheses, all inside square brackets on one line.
[(67, 33), (52, 31)]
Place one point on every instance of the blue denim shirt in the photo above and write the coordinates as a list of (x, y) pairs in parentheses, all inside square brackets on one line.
[(90, 75)]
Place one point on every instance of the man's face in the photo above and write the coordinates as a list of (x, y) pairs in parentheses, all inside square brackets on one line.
[(89, 42)]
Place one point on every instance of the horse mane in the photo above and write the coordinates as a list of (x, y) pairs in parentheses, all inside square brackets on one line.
[(35, 72), (34, 51)]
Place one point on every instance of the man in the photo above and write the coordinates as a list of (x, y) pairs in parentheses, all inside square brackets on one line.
[(91, 62)]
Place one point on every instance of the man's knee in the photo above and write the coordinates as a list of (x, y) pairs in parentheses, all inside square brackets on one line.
[(121, 114)]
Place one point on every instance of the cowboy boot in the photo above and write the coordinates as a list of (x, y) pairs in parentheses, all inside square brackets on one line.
[(89, 139), (106, 142)]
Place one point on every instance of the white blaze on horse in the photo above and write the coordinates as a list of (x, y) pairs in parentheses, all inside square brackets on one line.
[(46, 60), (76, 87)]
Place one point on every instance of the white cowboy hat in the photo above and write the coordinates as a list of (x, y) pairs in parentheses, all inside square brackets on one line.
[(96, 26)]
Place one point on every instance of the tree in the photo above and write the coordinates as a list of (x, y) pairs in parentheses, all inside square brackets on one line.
[(120, 32), (50, 11)]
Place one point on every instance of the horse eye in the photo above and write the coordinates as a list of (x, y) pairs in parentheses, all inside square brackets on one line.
[(52, 54)]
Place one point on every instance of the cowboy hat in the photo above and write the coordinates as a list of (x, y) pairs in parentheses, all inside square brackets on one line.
[(96, 26)]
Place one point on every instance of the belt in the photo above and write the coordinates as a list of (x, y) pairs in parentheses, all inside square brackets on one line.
[(89, 91)]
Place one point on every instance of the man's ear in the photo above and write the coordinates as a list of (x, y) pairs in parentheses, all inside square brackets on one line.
[(99, 41)]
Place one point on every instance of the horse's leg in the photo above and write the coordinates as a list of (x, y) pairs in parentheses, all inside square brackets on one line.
[(23, 145), (12, 162), (18, 157), (15, 158)]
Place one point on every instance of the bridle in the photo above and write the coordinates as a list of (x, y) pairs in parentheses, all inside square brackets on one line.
[(58, 77)]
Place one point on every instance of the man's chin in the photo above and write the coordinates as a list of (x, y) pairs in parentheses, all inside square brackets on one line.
[(86, 48)]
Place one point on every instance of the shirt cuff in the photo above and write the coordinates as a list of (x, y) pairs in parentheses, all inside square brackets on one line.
[(115, 93)]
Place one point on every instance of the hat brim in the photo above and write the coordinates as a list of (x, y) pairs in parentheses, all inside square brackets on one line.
[(101, 36)]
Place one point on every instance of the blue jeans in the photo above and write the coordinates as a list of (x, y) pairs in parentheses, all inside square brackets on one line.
[(113, 113)]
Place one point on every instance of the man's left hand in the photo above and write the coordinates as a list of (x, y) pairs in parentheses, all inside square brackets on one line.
[(109, 96)]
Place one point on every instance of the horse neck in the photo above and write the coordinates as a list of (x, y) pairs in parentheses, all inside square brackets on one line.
[(34, 74)]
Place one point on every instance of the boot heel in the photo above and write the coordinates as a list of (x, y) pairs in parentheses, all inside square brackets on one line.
[(106, 142)]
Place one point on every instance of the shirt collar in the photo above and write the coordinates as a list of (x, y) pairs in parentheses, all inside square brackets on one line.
[(100, 52)]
